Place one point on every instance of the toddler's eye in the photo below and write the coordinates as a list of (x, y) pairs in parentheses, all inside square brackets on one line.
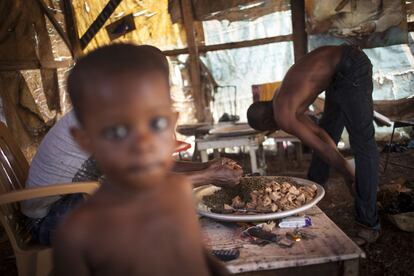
[(116, 133), (159, 123)]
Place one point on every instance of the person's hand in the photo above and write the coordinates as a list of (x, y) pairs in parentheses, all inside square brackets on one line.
[(224, 172), (220, 162)]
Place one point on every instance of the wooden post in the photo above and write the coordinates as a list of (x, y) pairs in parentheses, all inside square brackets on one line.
[(71, 28), (199, 99), (55, 24), (300, 38)]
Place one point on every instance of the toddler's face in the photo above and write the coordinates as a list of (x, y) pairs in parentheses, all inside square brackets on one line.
[(128, 127)]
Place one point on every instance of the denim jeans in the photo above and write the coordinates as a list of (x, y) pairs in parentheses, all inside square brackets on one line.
[(349, 104), (43, 229)]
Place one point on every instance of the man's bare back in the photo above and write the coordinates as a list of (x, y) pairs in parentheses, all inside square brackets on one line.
[(153, 227), (306, 79)]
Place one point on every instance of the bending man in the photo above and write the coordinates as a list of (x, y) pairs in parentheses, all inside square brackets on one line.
[(345, 74)]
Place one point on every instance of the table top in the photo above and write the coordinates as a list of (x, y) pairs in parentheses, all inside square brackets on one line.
[(239, 129), (213, 141), (280, 134), (194, 129), (328, 244), (213, 137)]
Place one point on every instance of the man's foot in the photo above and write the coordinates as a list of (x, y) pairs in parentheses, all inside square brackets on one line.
[(366, 235)]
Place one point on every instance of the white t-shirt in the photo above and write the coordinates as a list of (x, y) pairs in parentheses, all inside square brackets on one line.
[(57, 160)]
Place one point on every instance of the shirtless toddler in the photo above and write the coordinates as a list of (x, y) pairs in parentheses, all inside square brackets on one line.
[(142, 219)]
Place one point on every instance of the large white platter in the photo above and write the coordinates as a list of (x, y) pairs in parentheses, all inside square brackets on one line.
[(203, 210)]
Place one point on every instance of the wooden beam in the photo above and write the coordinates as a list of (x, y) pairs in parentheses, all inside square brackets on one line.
[(246, 43), (55, 24), (17, 65), (71, 28), (199, 99), (199, 33), (232, 45), (99, 22), (300, 38)]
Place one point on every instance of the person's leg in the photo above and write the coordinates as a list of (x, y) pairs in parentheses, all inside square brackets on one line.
[(366, 171), (333, 123), (357, 106), (45, 229)]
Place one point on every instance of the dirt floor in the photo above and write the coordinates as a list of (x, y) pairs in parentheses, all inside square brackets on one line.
[(392, 254)]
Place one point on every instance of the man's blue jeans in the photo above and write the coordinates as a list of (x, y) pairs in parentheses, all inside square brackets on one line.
[(349, 104), (43, 230)]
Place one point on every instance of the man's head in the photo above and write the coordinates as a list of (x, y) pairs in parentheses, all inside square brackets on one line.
[(120, 94), (260, 116)]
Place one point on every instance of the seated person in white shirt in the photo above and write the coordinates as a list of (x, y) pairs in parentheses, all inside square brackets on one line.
[(60, 160)]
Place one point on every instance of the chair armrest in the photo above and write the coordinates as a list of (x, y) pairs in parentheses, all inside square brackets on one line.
[(51, 190)]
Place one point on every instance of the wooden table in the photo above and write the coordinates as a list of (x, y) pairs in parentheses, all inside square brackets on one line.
[(329, 252), (253, 141)]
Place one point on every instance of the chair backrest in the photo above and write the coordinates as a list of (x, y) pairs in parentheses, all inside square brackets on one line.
[(13, 165), (13, 173)]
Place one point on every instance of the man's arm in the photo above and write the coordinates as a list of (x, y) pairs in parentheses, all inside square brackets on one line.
[(222, 172), (317, 139), (223, 176), (320, 132)]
